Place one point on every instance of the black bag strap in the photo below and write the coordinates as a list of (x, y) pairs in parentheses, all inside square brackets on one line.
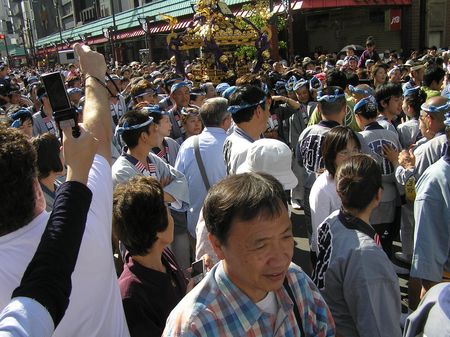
[(199, 160), (296, 312)]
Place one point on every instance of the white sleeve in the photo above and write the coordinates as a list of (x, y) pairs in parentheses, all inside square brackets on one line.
[(100, 212), (320, 210), (25, 317), (203, 246)]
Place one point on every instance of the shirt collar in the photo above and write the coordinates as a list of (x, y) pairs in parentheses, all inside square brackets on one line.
[(241, 133), (247, 311), (446, 156), (214, 129), (373, 126), (351, 222), (328, 124)]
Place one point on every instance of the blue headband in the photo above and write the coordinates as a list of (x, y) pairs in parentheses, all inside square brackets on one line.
[(236, 108), (146, 92), (185, 112), (313, 81), (179, 85), (360, 91), (290, 84), (432, 108), (329, 98), (370, 101), (447, 119), (201, 93), (221, 87), (410, 91), (265, 88), (71, 91), (16, 124), (227, 93), (280, 84), (155, 109), (17, 115), (125, 127), (300, 83)]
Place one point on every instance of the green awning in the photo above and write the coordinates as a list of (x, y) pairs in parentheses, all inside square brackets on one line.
[(129, 19), (14, 50)]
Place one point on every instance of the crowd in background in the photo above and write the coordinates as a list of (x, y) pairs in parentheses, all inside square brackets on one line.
[(357, 140)]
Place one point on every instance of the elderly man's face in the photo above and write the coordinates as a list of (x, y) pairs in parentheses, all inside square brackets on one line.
[(258, 252), (181, 97)]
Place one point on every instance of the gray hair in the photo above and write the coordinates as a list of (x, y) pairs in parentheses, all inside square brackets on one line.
[(214, 111)]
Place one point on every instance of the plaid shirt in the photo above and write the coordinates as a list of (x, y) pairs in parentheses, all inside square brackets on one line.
[(216, 307)]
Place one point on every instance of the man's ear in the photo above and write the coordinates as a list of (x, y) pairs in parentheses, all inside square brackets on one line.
[(384, 103), (216, 246)]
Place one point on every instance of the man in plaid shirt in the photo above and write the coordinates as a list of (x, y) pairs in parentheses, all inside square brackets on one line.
[(250, 292)]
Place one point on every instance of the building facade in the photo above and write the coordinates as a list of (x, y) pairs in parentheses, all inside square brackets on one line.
[(112, 26)]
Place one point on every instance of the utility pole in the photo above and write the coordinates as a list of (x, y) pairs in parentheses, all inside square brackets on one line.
[(31, 38), (113, 33), (274, 53), (288, 8), (58, 21)]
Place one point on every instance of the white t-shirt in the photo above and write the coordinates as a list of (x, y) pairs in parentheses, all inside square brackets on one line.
[(95, 307), (323, 201), (269, 304)]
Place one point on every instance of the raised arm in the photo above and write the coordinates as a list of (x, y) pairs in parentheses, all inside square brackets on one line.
[(96, 115)]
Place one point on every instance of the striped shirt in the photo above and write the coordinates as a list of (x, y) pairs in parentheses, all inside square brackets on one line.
[(216, 307)]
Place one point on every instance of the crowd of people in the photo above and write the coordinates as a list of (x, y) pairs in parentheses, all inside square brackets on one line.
[(98, 233)]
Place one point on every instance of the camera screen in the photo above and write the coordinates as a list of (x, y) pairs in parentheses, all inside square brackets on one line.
[(56, 91)]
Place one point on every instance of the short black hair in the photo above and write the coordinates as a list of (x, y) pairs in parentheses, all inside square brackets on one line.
[(386, 91), (133, 117), (139, 213), (433, 73), (335, 141), (352, 79), (336, 78), (241, 197), (358, 180), (415, 100), (18, 167), (247, 94), (47, 147), (335, 106), (40, 90)]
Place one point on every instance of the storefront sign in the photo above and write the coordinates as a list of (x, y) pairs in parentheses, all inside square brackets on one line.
[(394, 21)]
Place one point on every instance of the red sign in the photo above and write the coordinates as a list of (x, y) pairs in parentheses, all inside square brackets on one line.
[(395, 19), (2, 36)]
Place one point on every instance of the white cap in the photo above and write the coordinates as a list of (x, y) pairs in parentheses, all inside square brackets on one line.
[(272, 157)]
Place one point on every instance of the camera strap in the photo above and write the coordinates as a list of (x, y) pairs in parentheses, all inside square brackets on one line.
[(199, 160)]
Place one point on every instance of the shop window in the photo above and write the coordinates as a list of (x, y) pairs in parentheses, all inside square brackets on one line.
[(66, 9)]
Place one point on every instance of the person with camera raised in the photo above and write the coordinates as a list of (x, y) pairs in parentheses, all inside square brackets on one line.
[(95, 305)]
